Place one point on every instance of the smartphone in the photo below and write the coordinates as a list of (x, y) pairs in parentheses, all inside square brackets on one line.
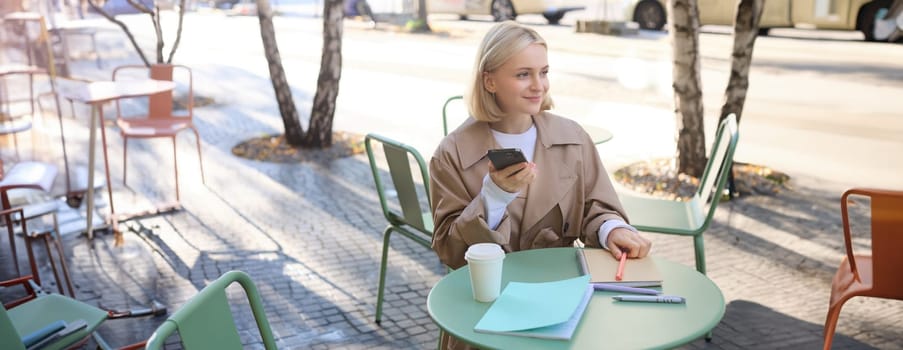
[(505, 157)]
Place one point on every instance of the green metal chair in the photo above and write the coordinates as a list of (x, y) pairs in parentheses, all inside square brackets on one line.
[(206, 321), (414, 221), (47, 321), (31, 320), (693, 217), (445, 113)]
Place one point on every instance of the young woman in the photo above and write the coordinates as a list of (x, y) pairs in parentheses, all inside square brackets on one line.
[(562, 193)]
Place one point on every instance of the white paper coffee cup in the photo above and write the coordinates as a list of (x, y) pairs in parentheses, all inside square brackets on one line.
[(485, 261)]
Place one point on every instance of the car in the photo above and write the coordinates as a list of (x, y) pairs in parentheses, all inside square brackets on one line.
[(223, 4), (501, 10), (859, 15), (122, 7)]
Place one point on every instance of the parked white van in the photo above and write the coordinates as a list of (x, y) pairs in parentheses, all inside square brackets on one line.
[(552, 10), (859, 15)]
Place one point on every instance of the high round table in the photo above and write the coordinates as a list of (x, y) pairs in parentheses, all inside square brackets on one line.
[(605, 324), (96, 94)]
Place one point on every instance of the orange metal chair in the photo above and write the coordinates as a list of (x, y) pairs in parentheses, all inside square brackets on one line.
[(160, 120), (876, 275)]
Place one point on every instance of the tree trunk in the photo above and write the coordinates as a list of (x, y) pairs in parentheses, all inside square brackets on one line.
[(421, 26), (294, 133), (684, 22), (746, 28), (319, 133)]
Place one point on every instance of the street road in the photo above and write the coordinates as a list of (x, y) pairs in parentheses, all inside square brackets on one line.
[(824, 107)]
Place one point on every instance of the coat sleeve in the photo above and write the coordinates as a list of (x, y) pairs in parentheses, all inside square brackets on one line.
[(601, 202), (458, 214)]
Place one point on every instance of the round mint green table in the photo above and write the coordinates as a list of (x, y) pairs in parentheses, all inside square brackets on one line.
[(605, 324)]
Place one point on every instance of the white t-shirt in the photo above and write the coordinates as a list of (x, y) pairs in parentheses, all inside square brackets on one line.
[(496, 200)]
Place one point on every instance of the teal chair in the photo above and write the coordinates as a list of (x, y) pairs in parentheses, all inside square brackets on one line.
[(47, 319), (37, 317), (693, 217), (415, 220), (206, 321), (445, 113)]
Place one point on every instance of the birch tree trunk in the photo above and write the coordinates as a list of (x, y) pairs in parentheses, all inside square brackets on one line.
[(319, 133), (422, 25), (684, 33), (294, 133), (746, 27)]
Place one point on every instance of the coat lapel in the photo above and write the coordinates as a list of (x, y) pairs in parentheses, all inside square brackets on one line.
[(554, 176), (479, 140)]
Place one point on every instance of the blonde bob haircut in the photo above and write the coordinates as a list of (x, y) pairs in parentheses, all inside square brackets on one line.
[(502, 42)]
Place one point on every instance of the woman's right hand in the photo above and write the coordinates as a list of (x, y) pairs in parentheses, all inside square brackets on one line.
[(514, 178)]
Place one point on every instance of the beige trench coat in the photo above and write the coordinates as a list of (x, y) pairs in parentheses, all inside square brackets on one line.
[(569, 199)]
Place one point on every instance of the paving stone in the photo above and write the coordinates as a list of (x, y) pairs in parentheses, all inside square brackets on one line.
[(310, 235)]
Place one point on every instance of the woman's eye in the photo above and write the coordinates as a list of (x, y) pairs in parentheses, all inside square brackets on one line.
[(544, 73), (522, 75)]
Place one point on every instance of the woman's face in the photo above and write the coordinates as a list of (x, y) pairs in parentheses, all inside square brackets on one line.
[(520, 83)]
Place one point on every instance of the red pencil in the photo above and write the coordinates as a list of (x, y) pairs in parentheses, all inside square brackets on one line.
[(620, 274)]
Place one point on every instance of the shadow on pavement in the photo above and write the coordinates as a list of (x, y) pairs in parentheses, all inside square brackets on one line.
[(782, 332)]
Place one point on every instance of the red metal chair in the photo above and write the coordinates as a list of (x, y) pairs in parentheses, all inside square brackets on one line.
[(875, 275), (159, 120)]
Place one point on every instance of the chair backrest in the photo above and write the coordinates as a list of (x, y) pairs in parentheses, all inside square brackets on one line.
[(160, 104), (717, 169), (887, 239), (9, 337), (398, 156), (454, 112), (206, 321)]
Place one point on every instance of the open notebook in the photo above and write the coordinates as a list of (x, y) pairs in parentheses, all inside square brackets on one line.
[(550, 310), (602, 267)]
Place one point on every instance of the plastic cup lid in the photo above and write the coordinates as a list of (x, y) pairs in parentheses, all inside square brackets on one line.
[(484, 251)]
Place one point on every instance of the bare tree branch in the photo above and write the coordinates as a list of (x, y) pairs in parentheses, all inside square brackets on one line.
[(124, 29), (172, 51), (158, 30)]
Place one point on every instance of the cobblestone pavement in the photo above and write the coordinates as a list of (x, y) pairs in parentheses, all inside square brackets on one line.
[(309, 234)]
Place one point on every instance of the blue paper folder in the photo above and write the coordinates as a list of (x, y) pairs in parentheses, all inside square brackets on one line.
[(542, 310)]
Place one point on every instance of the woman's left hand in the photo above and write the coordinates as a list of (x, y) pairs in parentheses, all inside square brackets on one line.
[(622, 240)]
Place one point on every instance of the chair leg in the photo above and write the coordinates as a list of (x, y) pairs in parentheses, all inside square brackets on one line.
[(197, 137), (441, 344), (700, 253), (12, 247), (16, 146), (175, 165), (31, 258), (125, 152), (382, 274), (831, 321), (58, 240), (56, 274)]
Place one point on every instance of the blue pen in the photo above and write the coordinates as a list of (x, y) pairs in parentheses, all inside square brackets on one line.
[(624, 289), (666, 299)]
